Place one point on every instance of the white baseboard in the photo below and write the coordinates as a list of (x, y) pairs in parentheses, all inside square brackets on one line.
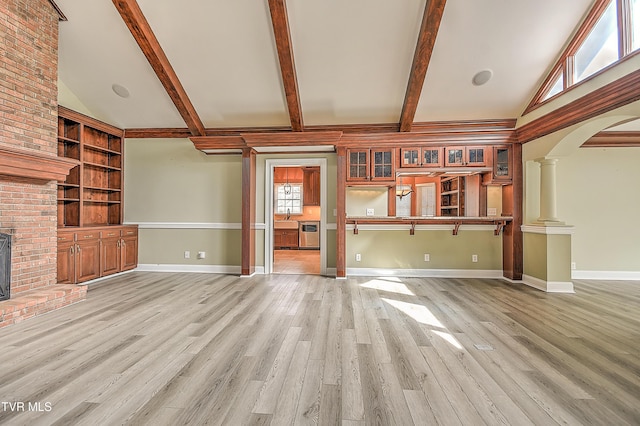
[(426, 273), (203, 269), (606, 275), (548, 286)]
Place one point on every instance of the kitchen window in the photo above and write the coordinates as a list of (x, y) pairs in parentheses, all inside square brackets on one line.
[(288, 202)]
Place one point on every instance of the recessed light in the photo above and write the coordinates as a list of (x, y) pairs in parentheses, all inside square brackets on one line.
[(120, 90), (482, 77)]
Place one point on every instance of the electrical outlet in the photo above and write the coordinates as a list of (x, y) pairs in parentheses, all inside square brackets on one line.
[(474, 257), (427, 257), (187, 254), (201, 255), (335, 212), (370, 212), (358, 257), (573, 265)]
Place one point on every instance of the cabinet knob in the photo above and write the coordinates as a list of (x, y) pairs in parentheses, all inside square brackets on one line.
[(71, 250)]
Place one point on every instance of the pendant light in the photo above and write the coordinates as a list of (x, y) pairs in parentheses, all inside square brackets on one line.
[(287, 186)]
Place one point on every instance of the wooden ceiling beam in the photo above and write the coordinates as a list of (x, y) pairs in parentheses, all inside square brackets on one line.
[(433, 11), (141, 30), (280, 22), (609, 139)]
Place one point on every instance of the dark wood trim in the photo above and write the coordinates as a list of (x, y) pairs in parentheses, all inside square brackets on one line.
[(218, 142), (158, 133), (431, 126), (341, 209), (564, 62), (89, 121), (433, 11), (248, 211), (291, 138), (512, 201), (436, 138), (61, 16), (625, 28), (613, 140), (614, 95), (33, 166), (280, 22), (146, 39)]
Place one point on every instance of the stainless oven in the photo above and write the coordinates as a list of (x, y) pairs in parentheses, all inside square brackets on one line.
[(309, 235)]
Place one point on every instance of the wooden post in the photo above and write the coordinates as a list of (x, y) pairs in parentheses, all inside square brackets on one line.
[(512, 257), (341, 225), (248, 212)]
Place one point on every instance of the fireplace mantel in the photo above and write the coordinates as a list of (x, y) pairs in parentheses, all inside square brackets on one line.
[(33, 166)]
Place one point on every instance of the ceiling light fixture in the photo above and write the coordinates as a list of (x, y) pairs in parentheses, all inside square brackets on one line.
[(120, 90), (482, 77)]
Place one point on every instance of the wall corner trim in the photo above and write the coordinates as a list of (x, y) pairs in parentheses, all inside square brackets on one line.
[(548, 286), (548, 230)]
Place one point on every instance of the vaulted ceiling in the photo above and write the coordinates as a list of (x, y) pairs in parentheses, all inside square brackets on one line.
[(352, 60)]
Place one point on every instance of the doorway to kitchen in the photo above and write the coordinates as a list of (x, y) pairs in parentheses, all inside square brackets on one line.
[(295, 237)]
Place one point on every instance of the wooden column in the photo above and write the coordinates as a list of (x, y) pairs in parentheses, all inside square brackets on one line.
[(341, 225), (512, 257), (248, 212)]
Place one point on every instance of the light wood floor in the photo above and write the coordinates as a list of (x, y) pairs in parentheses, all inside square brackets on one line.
[(171, 349), (296, 262)]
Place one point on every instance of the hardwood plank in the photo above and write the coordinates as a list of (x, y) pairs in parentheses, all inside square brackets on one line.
[(171, 348)]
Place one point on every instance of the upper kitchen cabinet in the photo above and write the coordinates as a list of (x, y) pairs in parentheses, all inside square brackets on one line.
[(466, 156), (370, 164), (421, 157), (501, 172), (311, 186)]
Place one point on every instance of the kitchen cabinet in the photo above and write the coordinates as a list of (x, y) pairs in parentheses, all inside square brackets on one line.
[(421, 157), (501, 171), (311, 186), (84, 255), (370, 164), (465, 156), (285, 238)]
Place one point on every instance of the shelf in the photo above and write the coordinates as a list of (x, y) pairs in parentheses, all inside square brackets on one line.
[(102, 166), (67, 140), (103, 189), (101, 149), (68, 200), (69, 185), (102, 202)]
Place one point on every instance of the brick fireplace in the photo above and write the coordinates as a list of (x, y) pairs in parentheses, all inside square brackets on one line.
[(29, 166)]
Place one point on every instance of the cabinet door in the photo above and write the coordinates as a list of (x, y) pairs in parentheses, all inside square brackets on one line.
[(110, 256), (129, 251), (357, 164), (502, 163), (475, 156), (88, 258), (311, 187), (454, 156), (410, 157), (66, 263), (431, 157), (278, 238), (291, 239), (383, 168)]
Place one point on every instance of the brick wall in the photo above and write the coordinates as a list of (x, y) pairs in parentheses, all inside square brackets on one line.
[(28, 121)]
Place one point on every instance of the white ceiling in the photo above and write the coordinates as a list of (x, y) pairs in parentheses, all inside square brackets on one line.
[(353, 59)]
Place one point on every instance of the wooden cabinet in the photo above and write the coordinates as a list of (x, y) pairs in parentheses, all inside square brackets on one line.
[(311, 186), (92, 193), (501, 171), (285, 238), (465, 156), (421, 157), (84, 255), (370, 164), (452, 196)]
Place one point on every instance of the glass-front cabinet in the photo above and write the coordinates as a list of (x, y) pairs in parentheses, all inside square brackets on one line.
[(465, 156), (421, 157), (371, 164)]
